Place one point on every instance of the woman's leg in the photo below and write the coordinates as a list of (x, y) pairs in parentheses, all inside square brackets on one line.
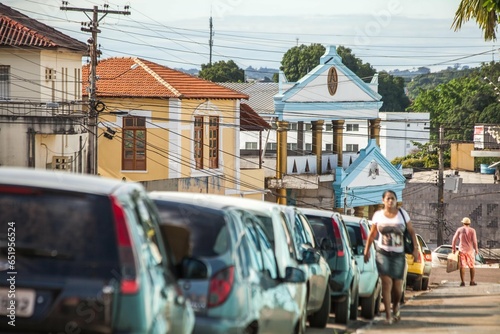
[(386, 294), (397, 287)]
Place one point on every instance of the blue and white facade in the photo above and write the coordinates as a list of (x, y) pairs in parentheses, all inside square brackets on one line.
[(312, 97), (330, 97), (365, 180)]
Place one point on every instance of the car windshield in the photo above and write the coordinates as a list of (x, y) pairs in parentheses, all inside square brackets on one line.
[(208, 231), (60, 233), (443, 250)]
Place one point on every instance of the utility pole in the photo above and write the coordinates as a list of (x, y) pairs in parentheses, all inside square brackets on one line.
[(211, 41), (93, 114), (440, 207)]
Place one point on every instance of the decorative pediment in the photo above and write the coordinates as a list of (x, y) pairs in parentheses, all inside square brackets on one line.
[(364, 181), (331, 91)]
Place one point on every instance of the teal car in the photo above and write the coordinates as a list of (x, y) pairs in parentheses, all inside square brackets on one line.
[(89, 255), (370, 284), (331, 232)]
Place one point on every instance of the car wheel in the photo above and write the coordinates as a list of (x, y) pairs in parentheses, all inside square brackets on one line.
[(253, 328), (342, 310), (425, 283), (368, 306), (417, 284), (320, 318), (378, 302), (354, 307)]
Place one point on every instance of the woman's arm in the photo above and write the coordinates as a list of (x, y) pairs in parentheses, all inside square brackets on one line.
[(416, 253), (369, 242)]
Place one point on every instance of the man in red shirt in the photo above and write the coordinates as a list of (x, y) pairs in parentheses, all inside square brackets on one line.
[(466, 236)]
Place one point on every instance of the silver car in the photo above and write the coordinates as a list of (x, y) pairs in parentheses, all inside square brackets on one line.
[(314, 264), (231, 275)]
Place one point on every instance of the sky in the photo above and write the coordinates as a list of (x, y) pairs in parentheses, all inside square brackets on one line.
[(388, 34)]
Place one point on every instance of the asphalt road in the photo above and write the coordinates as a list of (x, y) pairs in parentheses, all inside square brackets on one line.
[(439, 278)]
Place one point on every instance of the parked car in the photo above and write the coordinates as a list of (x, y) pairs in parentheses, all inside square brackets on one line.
[(240, 285), (419, 272), (329, 228), (370, 285), (440, 256), (87, 256), (317, 270)]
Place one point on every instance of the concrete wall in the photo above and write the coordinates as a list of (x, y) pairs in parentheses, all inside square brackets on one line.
[(477, 201)]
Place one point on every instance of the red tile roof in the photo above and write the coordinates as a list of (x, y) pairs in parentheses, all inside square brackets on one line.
[(19, 30), (136, 77), (250, 120)]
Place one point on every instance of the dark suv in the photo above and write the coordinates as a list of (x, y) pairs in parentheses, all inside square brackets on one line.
[(83, 254), (332, 235)]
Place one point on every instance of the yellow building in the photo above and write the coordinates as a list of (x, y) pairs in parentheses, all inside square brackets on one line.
[(169, 130)]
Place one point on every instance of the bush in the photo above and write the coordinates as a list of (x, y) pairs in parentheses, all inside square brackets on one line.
[(412, 162)]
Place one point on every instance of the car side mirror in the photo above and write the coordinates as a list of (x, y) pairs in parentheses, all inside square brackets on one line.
[(310, 256), (294, 275)]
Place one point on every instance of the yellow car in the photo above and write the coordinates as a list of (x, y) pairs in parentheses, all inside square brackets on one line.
[(419, 272)]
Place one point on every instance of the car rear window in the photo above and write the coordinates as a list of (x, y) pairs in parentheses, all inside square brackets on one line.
[(208, 230), (355, 235), (59, 233), (322, 227)]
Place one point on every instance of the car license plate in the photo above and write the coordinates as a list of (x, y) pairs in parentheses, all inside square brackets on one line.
[(24, 302)]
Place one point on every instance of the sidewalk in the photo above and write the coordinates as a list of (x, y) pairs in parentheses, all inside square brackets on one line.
[(448, 308)]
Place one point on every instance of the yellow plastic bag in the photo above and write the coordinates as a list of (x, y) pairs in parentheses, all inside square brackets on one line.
[(453, 262)]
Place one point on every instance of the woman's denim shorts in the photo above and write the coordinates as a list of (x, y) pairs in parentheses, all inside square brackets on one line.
[(391, 264)]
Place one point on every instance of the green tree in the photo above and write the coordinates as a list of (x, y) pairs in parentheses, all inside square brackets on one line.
[(393, 94), (425, 155), (432, 80), (485, 12), (222, 71), (349, 59), (299, 60), (458, 105)]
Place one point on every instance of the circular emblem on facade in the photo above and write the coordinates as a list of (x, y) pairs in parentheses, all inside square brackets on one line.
[(333, 80)]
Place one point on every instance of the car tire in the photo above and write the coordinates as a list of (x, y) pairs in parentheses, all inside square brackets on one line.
[(354, 307), (417, 284), (425, 283), (253, 328), (320, 318), (378, 302), (369, 305), (403, 289), (342, 310)]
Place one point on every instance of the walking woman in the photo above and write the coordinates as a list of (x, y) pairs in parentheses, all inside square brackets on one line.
[(389, 225)]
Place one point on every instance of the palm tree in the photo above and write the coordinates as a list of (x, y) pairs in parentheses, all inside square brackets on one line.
[(485, 13)]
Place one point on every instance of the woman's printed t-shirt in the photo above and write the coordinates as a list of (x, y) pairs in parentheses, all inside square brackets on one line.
[(390, 231)]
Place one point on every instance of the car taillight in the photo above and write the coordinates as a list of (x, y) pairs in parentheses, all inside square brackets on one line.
[(129, 283), (338, 238), (220, 287), (428, 257), (364, 234)]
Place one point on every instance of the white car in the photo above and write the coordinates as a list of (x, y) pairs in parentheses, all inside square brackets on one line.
[(440, 256)]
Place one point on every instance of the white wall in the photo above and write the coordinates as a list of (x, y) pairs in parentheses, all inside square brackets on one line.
[(398, 129), (27, 75)]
